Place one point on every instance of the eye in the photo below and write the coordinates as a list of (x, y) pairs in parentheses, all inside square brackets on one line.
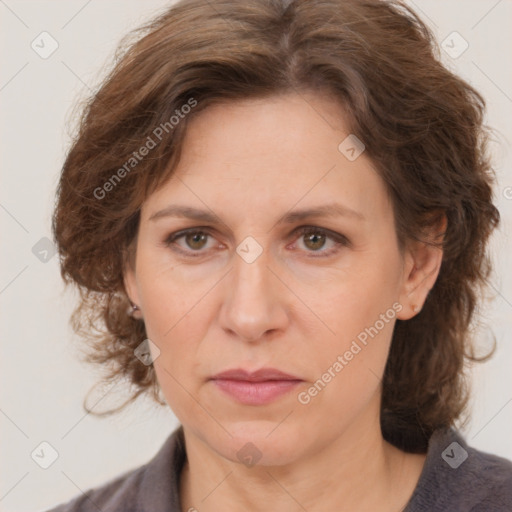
[(315, 239), (194, 239)]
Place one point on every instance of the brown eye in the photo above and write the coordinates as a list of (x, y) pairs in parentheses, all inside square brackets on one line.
[(318, 242), (314, 240), (321, 241), (196, 240), (189, 242)]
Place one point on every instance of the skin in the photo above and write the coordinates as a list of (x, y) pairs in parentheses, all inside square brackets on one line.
[(250, 162)]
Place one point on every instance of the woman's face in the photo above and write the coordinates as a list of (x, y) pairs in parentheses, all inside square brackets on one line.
[(246, 289)]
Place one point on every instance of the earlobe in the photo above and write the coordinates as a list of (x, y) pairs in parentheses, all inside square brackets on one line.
[(130, 286), (419, 282), (422, 265)]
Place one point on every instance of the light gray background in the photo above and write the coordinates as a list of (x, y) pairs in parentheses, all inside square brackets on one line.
[(43, 383)]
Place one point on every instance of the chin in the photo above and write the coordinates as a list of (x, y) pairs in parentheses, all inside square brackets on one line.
[(262, 443)]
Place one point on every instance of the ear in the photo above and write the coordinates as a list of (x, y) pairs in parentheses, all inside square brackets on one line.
[(422, 262), (130, 281)]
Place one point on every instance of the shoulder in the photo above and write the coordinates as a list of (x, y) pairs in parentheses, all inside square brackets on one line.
[(119, 493), (489, 478), (458, 477), (151, 487)]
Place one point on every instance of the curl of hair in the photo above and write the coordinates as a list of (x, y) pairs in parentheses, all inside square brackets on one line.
[(422, 127)]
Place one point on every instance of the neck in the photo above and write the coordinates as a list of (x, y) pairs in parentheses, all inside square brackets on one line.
[(334, 478)]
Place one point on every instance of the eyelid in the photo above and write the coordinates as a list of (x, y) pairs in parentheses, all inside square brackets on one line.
[(172, 237), (340, 239)]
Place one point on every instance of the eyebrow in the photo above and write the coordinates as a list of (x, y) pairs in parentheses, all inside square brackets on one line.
[(327, 210)]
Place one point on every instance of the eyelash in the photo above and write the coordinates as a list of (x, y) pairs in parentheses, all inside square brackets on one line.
[(341, 240)]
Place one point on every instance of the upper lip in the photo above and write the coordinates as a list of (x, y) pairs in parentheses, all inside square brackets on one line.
[(262, 374)]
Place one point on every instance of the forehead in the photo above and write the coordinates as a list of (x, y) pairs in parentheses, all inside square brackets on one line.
[(259, 153), (276, 126)]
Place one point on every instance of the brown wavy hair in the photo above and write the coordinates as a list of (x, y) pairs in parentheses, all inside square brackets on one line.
[(421, 124)]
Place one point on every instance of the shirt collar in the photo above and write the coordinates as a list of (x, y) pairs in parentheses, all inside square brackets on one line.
[(159, 488)]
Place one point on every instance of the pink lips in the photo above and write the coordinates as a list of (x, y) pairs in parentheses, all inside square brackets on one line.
[(256, 388)]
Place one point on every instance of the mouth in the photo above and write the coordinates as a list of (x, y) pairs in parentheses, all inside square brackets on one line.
[(255, 393), (256, 388)]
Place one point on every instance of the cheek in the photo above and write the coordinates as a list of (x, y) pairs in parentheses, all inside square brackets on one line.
[(175, 328), (166, 294), (363, 328), (174, 319), (358, 311), (348, 302), (350, 366)]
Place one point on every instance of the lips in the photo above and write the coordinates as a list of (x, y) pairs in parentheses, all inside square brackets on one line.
[(255, 388), (264, 374)]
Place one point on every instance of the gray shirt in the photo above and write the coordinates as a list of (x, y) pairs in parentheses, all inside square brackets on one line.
[(455, 478)]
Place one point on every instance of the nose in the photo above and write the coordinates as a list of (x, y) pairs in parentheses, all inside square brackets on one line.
[(254, 305)]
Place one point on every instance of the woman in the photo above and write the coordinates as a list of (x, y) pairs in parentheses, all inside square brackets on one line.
[(292, 201)]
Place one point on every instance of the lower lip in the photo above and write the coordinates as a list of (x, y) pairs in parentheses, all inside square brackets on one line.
[(256, 393)]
